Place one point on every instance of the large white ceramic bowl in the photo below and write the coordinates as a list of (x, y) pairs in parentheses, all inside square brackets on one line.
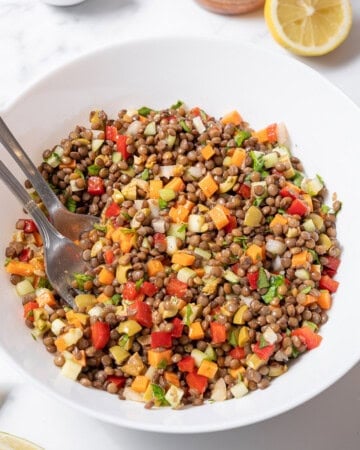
[(218, 76)]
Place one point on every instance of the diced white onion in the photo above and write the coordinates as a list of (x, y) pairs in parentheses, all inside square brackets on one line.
[(154, 208), (276, 264), (275, 247), (198, 124), (134, 128), (185, 274), (171, 245), (270, 336), (56, 326), (195, 222), (219, 391), (74, 187), (158, 225), (138, 204), (282, 134), (96, 311), (247, 300), (48, 309), (167, 171), (195, 172), (302, 274), (71, 369), (239, 390), (130, 394)]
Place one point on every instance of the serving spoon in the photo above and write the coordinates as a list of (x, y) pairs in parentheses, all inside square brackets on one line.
[(62, 257), (67, 223)]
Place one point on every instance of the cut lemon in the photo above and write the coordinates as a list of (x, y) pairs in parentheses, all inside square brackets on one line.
[(309, 27), (11, 442)]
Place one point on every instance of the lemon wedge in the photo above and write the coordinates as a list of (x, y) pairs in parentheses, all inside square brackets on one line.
[(11, 442), (309, 27)]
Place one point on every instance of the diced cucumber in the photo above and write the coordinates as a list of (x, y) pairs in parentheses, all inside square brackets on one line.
[(239, 390), (178, 230), (24, 287), (270, 159), (71, 369), (185, 274), (210, 353), (202, 253), (150, 129), (174, 396), (56, 326), (96, 145), (198, 356), (230, 276), (167, 194)]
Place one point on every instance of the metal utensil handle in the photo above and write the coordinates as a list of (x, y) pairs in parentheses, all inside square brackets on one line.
[(9, 141), (44, 226)]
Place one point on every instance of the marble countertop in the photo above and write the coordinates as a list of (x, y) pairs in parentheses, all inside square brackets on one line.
[(35, 38)]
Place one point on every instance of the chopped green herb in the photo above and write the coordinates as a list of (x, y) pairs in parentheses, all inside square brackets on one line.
[(44, 283), (258, 201), (78, 172), (311, 325), (275, 282), (70, 204), (232, 338), (306, 290), (241, 240), (93, 170), (315, 256), (33, 336), (123, 340), (297, 179), (203, 115), (182, 228), (126, 215), (162, 364), (128, 231), (139, 283), (7, 260), (325, 209), (263, 281), (159, 394), (320, 179), (99, 227), (145, 175), (295, 352), (184, 126), (241, 136), (116, 299), (188, 314), (144, 111), (263, 342), (177, 105), (81, 279), (258, 161), (162, 204), (269, 219)]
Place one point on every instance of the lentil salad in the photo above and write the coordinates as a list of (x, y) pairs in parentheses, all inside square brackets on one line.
[(212, 267)]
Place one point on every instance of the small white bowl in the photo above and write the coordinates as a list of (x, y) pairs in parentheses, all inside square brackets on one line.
[(62, 2)]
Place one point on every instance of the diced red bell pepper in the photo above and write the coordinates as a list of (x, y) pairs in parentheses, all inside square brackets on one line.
[(109, 256), (28, 308), (187, 364), (161, 339), (218, 332), (111, 133), (308, 337), (331, 266), (231, 225), (178, 326), (197, 382), (25, 254), (176, 287), (235, 267), (237, 353), (328, 283), (29, 226), (148, 288), (113, 210), (122, 146), (253, 279), (141, 312), (271, 132), (244, 191), (264, 352), (159, 240), (119, 381), (95, 186), (100, 334), (131, 293), (195, 111), (297, 207), (287, 191)]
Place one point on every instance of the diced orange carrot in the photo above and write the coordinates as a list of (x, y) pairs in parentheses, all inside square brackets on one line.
[(45, 297), (208, 185), (207, 152), (76, 319), (125, 237), (156, 358), (71, 165), (208, 369), (180, 213), (309, 300), (106, 276), (238, 157), (316, 268), (80, 358), (324, 299), (172, 378), (140, 383), (260, 135), (154, 266), (176, 184), (24, 269), (183, 259), (200, 272), (255, 252), (236, 372), (232, 117), (278, 220), (154, 188), (308, 200), (196, 331), (60, 344), (300, 259), (219, 217), (38, 239), (102, 298)]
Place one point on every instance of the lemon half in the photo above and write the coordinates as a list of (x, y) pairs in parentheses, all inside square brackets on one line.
[(11, 442), (309, 27)]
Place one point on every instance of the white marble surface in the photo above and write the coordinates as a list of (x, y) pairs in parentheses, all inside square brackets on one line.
[(35, 38)]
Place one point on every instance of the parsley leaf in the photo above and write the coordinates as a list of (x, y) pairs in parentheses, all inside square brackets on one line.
[(177, 105), (99, 227), (159, 394), (123, 340), (241, 240), (263, 343), (182, 228), (162, 204), (315, 256), (188, 314), (145, 175), (306, 290), (144, 111), (70, 204), (81, 279), (258, 201), (263, 281), (325, 209), (232, 338), (184, 126), (297, 179), (93, 170), (258, 161), (139, 283), (275, 282), (241, 136), (116, 299)]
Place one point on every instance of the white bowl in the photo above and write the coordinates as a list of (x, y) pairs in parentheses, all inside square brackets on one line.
[(218, 76)]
